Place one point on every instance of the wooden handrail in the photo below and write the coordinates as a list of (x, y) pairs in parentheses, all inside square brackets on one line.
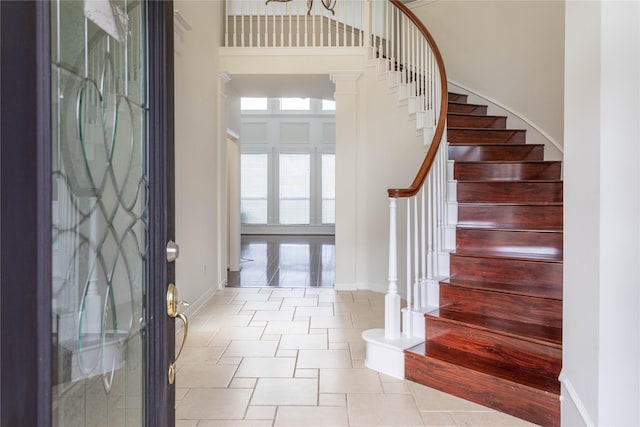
[(442, 118)]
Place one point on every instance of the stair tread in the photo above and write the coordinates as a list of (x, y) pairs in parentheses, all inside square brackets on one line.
[(514, 228), (532, 256), (465, 103), (485, 129), (493, 144), (545, 335), (456, 113), (500, 162), (474, 363), (532, 290)]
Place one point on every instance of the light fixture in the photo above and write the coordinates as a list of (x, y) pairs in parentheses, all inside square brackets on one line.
[(328, 4)]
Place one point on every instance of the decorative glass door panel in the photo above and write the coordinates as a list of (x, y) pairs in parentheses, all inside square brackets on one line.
[(99, 212)]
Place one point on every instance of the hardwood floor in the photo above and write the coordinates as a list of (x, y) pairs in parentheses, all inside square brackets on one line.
[(285, 261)]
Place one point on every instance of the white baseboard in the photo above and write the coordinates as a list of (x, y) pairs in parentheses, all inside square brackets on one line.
[(572, 408)]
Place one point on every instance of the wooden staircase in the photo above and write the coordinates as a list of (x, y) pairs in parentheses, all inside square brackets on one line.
[(497, 337)]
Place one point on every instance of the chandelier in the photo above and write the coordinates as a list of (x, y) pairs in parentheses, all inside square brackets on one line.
[(328, 4)]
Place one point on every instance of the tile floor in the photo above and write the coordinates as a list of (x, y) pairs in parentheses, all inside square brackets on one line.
[(285, 261), (294, 357)]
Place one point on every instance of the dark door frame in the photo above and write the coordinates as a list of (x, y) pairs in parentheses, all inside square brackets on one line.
[(25, 213)]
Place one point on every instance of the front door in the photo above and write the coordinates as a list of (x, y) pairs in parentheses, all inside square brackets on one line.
[(93, 344)]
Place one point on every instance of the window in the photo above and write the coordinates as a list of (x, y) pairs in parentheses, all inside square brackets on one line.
[(328, 105), (294, 188), (254, 179), (328, 188), (259, 104), (295, 104)]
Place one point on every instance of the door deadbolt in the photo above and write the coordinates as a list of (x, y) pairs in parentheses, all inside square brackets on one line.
[(173, 250)]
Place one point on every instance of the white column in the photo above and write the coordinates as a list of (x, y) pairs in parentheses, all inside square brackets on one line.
[(346, 97), (222, 205), (392, 299)]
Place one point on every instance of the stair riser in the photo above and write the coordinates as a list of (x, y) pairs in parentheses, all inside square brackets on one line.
[(520, 216), (506, 270), (520, 401), (467, 108), (505, 352), (464, 121), (457, 97), (509, 192), (489, 153), (507, 171), (511, 241), (490, 136), (520, 308)]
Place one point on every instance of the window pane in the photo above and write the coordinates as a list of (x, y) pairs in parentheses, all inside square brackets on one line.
[(328, 105), (253, 104), (295, 104), (328, 188), (294, 211), (254, 179), (294, 188)]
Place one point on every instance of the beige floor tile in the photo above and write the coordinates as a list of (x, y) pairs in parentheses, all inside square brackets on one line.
[(330, 399), (251, 297), (287, 353), (438, 419), (281, 391), (239, 333), (269, 337), (383, 410), (243, 383), (320, 291), (235, 423), (232, 320), (233, 361), (318, 331), (204, 375), (300, 302), (488, 419), (429, 399), (251, 349), (303, 342), (213, 403), (288, 293), (198, 338), (361, 322), (362, 307), (260, 413), (345, 335), (261, 305), (270, 367), (287, 327), (180, 392), (314, 311), (201, 354), (339, 321), (357, 349), (395, 388), (358, 364), (258, 324), (349, 381), (186, 423), (323, 359), (311, 417), (306, 373), (274, 315)]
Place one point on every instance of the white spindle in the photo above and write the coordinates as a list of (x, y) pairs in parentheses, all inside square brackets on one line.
[(226, 24), (423, 240), (409, 281), (392, 299), (416, 255)]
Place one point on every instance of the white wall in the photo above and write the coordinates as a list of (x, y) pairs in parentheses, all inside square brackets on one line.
[(601, 342), (510, 51), (198, 131)]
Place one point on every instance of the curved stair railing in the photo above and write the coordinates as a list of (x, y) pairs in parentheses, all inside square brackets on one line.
[(408, 52)]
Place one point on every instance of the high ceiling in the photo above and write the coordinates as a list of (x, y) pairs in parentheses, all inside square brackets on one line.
[(274, 86)]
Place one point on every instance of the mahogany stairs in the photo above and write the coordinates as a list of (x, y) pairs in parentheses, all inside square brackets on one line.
[(497, 336)]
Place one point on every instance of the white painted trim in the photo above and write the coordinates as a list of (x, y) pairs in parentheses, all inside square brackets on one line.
[(514, 112), (232, 135), (288, 229), (182, 25), (292, 51), (577, 402)]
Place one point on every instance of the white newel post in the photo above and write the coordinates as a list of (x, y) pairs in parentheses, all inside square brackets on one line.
[(392, 299)]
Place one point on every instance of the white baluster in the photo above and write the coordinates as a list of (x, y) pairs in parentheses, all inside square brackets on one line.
[(392, 299), (407, 323), (423, 243), (226, 24), (259, 16), (416, 256)]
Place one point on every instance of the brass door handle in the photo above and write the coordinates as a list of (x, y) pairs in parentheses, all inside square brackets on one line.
[(172, 311)]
